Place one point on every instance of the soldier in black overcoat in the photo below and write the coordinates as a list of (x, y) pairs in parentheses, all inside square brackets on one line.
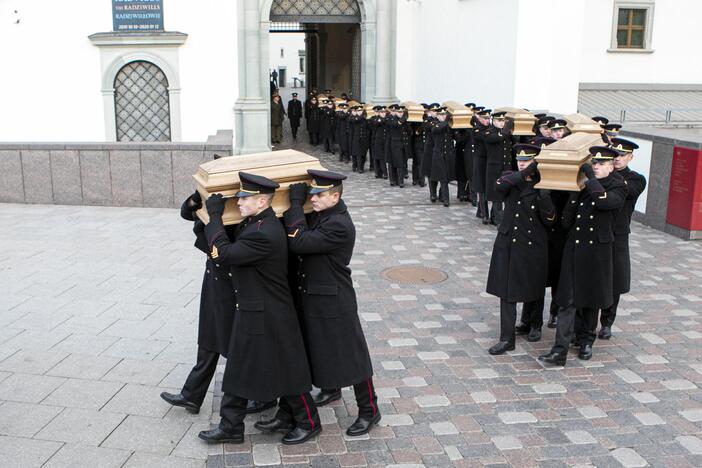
[(519, 262), (336, 345), (342, 131), (460, 137), (443, 164), (294, 114), (397, 144), (359, 138), (417, 140), (557, 129), (429, 122), (586, 283), (378, 132), (266, 357), (314, 121), (327, 125), (480, 128), (611, 130), (636, 184), (498, 145)]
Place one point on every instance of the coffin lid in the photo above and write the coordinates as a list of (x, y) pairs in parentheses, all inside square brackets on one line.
[(415, 112), (516, 113), (222, 175), (582, 123)]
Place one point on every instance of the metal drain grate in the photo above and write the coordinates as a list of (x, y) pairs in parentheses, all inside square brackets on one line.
[(414, 275)]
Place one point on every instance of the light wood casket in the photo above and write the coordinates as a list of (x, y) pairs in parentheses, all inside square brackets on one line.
[(368, 108), (459, 115), (523, 121), (582, 123), (559, 162), (222, 176), (415, 112)]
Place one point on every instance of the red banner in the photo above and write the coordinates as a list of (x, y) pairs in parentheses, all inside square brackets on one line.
[(685, 192)]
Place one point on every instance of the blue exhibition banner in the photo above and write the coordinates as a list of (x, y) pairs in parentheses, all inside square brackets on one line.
[(137, 15)]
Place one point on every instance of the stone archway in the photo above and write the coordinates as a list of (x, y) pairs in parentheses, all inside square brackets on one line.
[(252, 108)]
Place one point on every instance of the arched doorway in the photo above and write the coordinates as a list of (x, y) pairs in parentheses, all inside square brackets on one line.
[(374, 78)]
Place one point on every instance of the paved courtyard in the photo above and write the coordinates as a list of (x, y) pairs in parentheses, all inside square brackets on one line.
[(99, 314)]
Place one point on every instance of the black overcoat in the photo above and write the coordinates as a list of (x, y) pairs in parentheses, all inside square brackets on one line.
[(443, 159), (326, 125), (460, 136), (294, 112), (336, 345), (267, 357), (377, 124), (586, 269), (498, 146), (397, 142), (479, 157), (314, 120), (428, 149), (519, 262), (216, 294), (635, 184), (359, 137), (342, 130)]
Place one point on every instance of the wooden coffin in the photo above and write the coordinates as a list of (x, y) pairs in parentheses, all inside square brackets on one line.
[(582, 123), (559, 162), (459, 115), (353, 103), (415, 112), (523, 121), (368, 108), (222, 176)]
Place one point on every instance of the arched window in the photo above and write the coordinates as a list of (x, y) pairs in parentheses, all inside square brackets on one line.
[(142, 111)]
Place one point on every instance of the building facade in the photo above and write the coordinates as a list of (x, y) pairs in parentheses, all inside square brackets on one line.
[(69, 76)]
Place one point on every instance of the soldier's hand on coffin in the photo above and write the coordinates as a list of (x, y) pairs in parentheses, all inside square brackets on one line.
[(195, 201), (588, 171), (298, 193), (215, 204)]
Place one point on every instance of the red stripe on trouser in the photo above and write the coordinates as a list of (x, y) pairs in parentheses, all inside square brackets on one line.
[(370, 396), (307, 408)]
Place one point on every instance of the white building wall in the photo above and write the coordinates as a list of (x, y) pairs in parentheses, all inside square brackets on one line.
[(548, 55), (675, 42), (291, 43), (50, 85), (463, 51)]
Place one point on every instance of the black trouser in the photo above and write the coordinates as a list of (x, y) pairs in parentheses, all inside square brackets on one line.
[(564, 329), (359, 161), (396, 175), (508, 317), (462, 184), (415, 170), (585, 325), (314, 138), (299, 409), (482, 206), (381, 170), (198, 381), (533, 313), (610, 313), (294, 131), (443, 191), (366, 399), (328, 144)]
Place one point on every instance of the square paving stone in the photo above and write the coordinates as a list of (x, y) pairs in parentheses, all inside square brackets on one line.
[(83, 366), (139, 372), (79, 393), (76, 456), (81, 426), (143, 434), (149, 460), (26, 453), (139, 400), (28, 387), (32, 362), (25, 419)]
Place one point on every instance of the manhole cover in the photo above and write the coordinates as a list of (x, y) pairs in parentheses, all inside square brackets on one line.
[(414, 275)]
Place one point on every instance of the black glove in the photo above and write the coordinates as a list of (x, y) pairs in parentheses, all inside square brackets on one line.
[(215, 205), (588, 171), (195, 201), (298, 193), (530, 169)]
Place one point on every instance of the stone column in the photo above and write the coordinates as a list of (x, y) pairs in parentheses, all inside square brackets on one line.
[(385, 52), (367, 61), (251, 110)]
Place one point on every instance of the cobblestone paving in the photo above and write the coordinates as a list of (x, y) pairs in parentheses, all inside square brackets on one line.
[(99, 313)]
